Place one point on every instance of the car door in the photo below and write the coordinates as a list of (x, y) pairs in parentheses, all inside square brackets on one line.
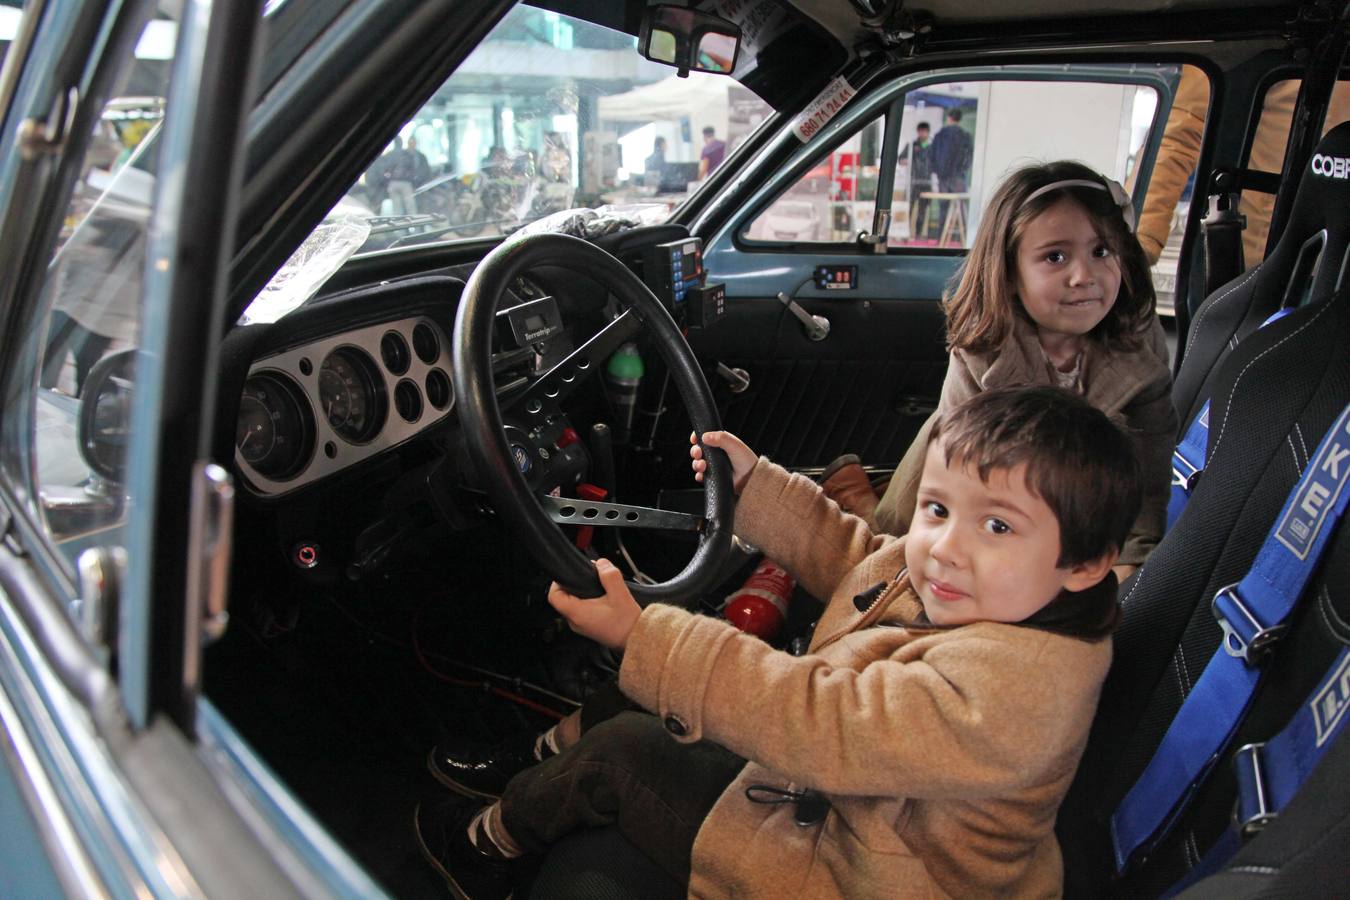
[(806, 244), (112, 520)]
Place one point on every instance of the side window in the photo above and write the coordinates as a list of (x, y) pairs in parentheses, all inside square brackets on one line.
[(69, 401), (956, 142), (1267, 155), (834, 200)]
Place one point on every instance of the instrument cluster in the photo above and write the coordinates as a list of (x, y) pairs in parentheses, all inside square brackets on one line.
[(313, 410)]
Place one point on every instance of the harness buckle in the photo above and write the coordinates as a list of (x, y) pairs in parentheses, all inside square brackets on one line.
[(1185, 474), (1251, 811), (1244, 635)]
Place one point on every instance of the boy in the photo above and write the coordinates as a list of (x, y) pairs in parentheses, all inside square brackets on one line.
[(921, 747)]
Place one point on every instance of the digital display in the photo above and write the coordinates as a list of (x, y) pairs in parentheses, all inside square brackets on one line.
[(691, 262), (672, 269), (533, 322)]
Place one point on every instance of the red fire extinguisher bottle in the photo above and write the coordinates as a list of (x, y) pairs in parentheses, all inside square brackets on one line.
[(759, 606)]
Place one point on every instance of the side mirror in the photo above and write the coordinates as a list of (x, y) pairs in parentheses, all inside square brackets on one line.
[(104, 426), (689, 40)]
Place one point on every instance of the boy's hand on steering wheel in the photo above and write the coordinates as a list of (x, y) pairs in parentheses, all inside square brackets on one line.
[(742, 458), (607, 619)]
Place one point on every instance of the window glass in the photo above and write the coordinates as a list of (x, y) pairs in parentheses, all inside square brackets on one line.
[(549, 113), (11, 11), (957, 141), (834, 200), (72, 393), (1267, 155)]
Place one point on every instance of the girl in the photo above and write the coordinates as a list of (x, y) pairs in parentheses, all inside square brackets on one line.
[(1056, 290)]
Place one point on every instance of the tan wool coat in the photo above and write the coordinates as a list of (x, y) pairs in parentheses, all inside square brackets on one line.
[(1134, 389), (944, 754)]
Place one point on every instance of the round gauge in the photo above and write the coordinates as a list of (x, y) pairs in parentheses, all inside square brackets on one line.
[(351, 395), (439, 392), (394, 352), (408, 400), (425, 343), (274, 433)]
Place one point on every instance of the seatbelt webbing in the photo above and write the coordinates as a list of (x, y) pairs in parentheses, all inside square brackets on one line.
[(1251, 614), (1270, 774), (1188, 459)]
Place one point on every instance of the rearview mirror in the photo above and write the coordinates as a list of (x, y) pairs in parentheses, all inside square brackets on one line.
[(689, 40)]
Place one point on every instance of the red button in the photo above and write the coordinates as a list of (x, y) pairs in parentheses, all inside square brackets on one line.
[(568, 437)]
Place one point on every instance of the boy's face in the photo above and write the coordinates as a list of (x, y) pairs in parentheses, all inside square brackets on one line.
[(982, 551)]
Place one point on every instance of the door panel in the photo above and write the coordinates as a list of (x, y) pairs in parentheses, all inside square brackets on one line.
[(866, 388)]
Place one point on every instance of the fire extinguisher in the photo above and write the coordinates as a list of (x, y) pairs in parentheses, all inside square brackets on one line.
[(759, 606)]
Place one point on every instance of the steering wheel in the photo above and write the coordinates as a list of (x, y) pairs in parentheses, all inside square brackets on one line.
[(532, 515)]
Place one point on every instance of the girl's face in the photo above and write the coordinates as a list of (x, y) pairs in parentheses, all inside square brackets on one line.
[(1067, 276)]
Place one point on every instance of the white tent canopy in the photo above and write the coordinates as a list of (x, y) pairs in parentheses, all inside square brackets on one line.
[(700, 98)]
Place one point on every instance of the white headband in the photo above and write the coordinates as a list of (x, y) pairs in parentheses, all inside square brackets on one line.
[(1118, 195)]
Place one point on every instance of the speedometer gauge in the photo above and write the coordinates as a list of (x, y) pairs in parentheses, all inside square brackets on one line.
[(275, 432), (351, 395)]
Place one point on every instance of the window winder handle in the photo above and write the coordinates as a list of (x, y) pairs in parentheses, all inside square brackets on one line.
[(817, 327)]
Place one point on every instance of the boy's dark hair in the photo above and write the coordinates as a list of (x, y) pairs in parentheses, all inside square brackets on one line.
[(924, 125), (1078, 461), (954, 114), (982, 302)]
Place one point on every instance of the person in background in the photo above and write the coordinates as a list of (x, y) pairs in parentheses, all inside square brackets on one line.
[(1177, 155), (952, 154), (919, 152), (498, 163), (654, 166), (1180, 151), (711, 155), (421, 167), (400, 169)]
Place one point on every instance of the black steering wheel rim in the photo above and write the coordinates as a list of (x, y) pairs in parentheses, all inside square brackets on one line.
[(481, 419)]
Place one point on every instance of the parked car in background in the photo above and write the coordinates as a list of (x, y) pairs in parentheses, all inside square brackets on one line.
[(792, 220)]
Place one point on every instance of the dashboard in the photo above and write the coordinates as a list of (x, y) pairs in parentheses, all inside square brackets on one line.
[(311, 410), (365, 369)]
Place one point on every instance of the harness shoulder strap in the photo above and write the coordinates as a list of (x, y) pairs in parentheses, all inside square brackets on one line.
[(1252, 615), (1188, 459)]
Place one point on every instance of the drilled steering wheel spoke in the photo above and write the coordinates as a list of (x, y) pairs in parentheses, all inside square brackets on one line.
[(572, 370), (567, 511)]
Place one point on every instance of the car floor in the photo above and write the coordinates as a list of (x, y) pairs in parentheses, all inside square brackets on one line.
[(343, 687), (344, 699)]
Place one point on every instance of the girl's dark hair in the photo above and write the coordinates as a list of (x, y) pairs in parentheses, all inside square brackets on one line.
[(981, 302)]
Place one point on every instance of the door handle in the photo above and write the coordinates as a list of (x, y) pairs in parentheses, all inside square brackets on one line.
[(817, 327)]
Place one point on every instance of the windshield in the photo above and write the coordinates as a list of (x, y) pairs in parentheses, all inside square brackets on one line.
[(549, 113)]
